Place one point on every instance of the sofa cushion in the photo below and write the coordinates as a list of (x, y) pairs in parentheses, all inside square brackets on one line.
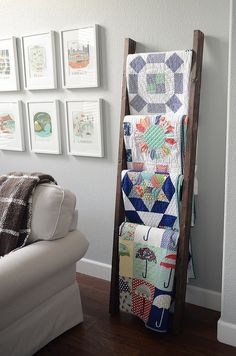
[(74, 221), (52, 212)]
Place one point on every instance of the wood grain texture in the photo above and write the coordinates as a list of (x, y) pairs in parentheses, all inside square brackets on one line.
[(189, 172), (124, 335), (129, 48)]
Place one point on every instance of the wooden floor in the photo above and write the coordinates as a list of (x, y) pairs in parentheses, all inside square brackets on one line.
[(125, 335)]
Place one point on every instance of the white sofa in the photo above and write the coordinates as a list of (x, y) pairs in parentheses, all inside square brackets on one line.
[(39, 295)]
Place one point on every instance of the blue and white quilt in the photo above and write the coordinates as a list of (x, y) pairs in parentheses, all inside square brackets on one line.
[(151, 198)]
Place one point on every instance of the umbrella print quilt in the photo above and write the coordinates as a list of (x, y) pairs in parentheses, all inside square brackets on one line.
[(158, 83), (155, 142), (146, 273), (151, 198)]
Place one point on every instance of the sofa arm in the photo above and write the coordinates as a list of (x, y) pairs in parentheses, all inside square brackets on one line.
[(18, 270)]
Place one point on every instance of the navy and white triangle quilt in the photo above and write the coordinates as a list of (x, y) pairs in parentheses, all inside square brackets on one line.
[(151, 198)]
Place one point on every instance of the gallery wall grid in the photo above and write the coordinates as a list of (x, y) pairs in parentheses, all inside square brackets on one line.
[(79, 65), (83, 119), (78, 58)]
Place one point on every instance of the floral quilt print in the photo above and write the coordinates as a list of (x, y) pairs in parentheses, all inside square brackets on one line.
[(155, 142)]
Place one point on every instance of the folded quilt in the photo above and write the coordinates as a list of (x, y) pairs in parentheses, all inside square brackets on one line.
[(151, 198), (15, 208), (158, 83), (155, 142), (146, 272)]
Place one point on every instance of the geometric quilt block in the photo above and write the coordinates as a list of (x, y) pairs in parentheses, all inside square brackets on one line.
[(138, 204), (178, 80), (138, 103), (133, 216), (159, 82), (150, 198), (159, 207), (167, 221), (156, 83), (133, 83), (168, 188), (137, 63), (174, 103), (174, 62), (155, 141)]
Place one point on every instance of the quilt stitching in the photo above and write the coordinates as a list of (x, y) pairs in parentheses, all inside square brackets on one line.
[(155, 142), (150, 198), (159, 82)]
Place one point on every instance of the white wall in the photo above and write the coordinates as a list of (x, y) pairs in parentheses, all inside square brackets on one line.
[(157, 25), (227, 322)]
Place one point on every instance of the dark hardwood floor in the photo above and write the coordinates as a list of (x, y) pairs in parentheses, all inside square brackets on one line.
[(123, 334)]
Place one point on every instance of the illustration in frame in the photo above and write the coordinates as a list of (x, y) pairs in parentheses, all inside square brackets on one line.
[(80, 57), (44, 127), (11, 126), (9, 75), (39, 61), (84, 128)]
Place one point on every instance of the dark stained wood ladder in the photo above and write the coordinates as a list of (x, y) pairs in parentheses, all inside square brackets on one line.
[(187, 195)]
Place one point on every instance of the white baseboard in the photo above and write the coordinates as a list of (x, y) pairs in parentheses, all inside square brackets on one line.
[(199, 296), (226, 332), (203, 297), (94, 268)]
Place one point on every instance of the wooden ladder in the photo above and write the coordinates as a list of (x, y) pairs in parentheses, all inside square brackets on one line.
[(187, 195)]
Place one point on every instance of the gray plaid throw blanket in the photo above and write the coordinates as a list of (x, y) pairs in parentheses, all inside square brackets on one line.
[(16, 208)]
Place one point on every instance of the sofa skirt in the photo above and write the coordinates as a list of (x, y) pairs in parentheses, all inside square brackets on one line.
[(48, 320)]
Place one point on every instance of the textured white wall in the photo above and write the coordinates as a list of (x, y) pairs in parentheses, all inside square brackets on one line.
[(157, 25), (227, 322)]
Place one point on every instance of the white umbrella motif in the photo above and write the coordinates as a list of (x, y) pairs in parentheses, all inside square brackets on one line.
[(162, 302)]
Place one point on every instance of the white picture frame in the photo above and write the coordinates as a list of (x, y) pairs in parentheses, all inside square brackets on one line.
[(11, 126), (9, 71), (84, 128), (79, 57), (39, 61), (44, 126)]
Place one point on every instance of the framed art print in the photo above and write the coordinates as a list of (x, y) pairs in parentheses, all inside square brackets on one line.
[(9, 76), (44, 126), (80, 57), (84, 128), (39, 61), (11, 128)]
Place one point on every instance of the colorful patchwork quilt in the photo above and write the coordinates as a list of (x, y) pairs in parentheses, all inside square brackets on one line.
[(146, 272), (158, 83), (151, 198), (155, 142)]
